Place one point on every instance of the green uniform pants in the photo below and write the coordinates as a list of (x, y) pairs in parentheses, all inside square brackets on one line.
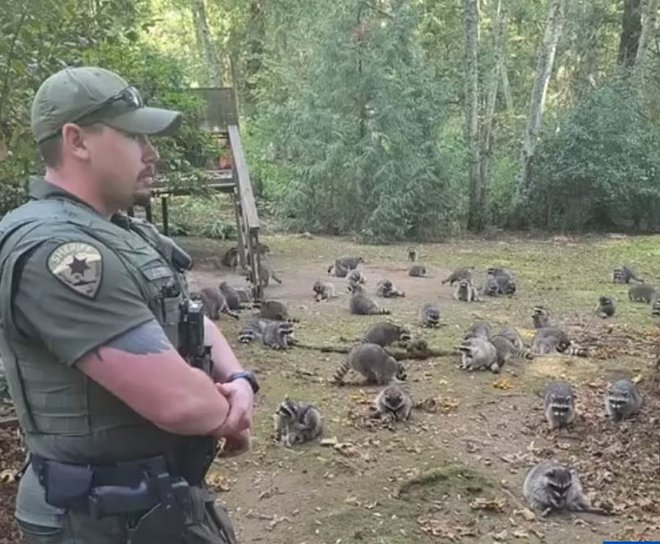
[(206, 523)]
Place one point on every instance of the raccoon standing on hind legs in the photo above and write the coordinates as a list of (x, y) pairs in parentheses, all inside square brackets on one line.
[(466, 292)]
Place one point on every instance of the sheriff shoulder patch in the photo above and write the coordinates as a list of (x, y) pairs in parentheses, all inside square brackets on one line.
[(78, 266)]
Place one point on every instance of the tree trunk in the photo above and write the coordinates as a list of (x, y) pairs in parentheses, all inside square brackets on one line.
[(491, 99), (256, 28), (648, 31), (543, 72), (213, 67), (631, 29), (475, 218)]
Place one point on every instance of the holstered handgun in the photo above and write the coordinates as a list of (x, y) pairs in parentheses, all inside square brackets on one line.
[(197, 452)]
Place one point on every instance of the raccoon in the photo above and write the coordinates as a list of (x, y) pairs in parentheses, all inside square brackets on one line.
[(478, 354), (642, 292), (394, 403), (549, 340), (324, 290), (505, 285), (559, 403), (231, 296), (540, 317), (274, 334), (374, 363), (349, 263), (491, 288), (506, 350), (655, 306), (550, 486), (513, 336), (278, 335), (355, 277), (624, 275), (466, 292), (605, 307), (385, 333), (479, 329), (297, 422), (417, 271), (386, 289), (622, 400), (215, 304), (338, 270), (266, 272), (252, 331), (458, 275), (244, 296), (412, 254), (230, 258), (430, 315), (273, 309), (361, 304)]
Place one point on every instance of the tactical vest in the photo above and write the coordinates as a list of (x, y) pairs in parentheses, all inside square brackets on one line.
[(84, 422)]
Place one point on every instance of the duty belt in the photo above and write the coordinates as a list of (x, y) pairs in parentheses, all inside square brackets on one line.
[(124, 488)]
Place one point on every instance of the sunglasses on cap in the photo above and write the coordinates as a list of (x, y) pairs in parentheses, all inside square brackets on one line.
[(130, 95)]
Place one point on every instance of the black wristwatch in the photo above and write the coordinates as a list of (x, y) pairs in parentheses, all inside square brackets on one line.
[(249, 376)]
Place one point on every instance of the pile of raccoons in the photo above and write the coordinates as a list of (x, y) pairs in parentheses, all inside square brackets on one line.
[(549, 486)]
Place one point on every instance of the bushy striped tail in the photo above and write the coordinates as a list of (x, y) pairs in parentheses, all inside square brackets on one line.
[(576, 351), (340, 374)]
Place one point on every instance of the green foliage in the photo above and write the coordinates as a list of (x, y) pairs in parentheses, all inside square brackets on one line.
[(352, 143), (601, 166)]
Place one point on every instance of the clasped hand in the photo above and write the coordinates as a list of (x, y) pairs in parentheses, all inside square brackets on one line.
[(236, 428)]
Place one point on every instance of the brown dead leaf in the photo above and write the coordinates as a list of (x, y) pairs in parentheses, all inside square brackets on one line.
[(218, 481), (361, 397), (446, 529), (504, 384), (490, 504), (519, 533)]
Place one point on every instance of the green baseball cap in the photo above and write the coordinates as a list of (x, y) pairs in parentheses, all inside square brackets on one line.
[(90, 94)]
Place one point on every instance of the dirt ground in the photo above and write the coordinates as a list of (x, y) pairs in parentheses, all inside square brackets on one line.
[(454, 473)]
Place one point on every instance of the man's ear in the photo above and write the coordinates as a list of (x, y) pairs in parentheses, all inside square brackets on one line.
[(74, 141)]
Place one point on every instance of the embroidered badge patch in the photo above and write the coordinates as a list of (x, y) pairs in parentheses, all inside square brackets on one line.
[(78, 266)]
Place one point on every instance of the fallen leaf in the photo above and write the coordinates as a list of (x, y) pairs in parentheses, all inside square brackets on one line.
[(504, 384), (493, 505)]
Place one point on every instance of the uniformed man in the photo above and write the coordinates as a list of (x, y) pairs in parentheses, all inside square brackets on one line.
[(120, 424)]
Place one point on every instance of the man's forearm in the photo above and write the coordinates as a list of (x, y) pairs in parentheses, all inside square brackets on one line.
[(225, 362)]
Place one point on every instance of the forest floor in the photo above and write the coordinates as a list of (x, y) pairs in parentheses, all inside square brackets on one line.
[(454, 473)]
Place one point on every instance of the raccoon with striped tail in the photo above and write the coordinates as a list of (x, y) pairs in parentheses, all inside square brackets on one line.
[(273, 334), (297, 422), (552, 487), (374, 363)]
